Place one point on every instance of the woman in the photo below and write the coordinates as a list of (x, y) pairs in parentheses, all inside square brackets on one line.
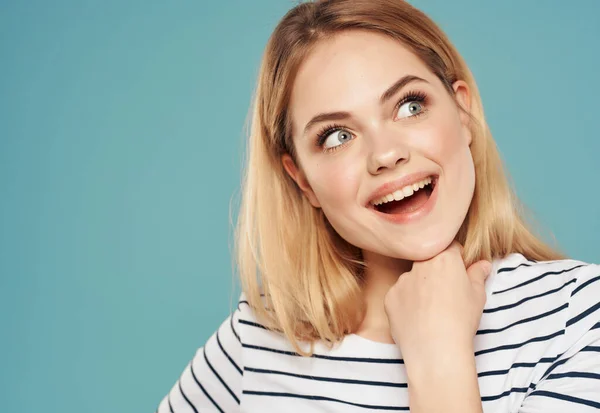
[(384, 261)]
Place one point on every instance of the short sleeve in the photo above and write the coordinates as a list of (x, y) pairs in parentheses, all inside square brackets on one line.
[(212, 380), (572, 382)]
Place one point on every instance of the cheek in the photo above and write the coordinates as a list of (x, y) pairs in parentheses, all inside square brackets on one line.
[(444, 142), (337, 188), (335, 182), (454, 156)]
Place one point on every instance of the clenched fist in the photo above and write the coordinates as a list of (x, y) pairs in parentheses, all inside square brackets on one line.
[(437, 305)]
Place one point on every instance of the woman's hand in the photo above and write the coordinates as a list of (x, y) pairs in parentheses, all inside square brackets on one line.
[(434, 311), (437, 305)]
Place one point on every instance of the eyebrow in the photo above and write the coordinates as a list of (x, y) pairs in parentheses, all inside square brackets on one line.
[(387, 95)]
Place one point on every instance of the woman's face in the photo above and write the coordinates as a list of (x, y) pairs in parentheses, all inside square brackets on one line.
[(377, 139)]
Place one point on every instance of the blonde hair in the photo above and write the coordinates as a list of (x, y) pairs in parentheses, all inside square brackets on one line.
[(299, 276)]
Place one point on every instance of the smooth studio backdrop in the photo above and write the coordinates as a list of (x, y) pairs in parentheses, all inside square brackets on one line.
[(121, 137)]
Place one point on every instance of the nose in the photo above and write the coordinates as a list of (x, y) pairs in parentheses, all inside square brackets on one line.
[(386, 153)]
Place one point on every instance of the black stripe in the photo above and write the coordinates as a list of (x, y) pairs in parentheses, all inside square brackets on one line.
[(185, 397), (595, 326), (233, 329), (539, 277), (508, 269), (248, 304), (505, 307), (226, 354), (253, 324), (504, 394), (583, 314), (525, 320), (169, 400), (564, 397), (553, 366), (591, 280), (322, 398), (517, 345), (203, 391), (328, 379), (482, 374), (219, 377), (578, 374), (516, 365), (320, 356), (563, 361)]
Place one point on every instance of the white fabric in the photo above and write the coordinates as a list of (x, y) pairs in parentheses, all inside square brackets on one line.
[(537, 350)]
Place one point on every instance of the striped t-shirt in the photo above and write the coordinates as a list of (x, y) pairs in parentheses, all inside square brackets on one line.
[(537, 350)]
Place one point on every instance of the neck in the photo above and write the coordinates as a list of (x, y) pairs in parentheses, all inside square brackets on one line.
[(380, 275)]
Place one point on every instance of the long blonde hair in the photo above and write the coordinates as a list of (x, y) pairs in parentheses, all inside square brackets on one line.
[(299, 276)]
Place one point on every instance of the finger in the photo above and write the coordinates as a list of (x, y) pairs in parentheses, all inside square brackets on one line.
[(479, 271)]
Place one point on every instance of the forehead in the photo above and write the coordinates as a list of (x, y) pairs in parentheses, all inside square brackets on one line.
[(348, 71)]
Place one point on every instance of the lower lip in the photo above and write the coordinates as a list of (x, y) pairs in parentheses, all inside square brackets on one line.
[(414, 215)]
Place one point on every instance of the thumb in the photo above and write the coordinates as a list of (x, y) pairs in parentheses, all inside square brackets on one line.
[(479, 271)]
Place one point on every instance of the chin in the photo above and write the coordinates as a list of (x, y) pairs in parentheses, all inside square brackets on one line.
[(421, 251), (420, 255)]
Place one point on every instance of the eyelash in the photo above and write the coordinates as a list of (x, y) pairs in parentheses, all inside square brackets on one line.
[(412, 96)]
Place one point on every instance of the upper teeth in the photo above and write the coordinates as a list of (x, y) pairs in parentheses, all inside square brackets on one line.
[(402, 193)]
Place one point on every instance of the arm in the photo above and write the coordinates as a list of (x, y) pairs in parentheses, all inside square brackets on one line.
[(212, 380), (572, 383), (445, 383), (434, 311)]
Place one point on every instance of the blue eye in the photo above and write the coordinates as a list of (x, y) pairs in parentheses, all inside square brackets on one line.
[(409, 109), (336, 138), (332, 137)]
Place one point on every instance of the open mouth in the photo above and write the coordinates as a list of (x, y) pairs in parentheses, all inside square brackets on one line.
[(407, 200)]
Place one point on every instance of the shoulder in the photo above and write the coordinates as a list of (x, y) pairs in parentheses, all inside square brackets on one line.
[(515, 272), (246, 318), (569, 287), (244, 315), (258, 341), (244, 310)]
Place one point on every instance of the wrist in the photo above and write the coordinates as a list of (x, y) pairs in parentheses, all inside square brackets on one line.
[(444, 384), (441, 363)]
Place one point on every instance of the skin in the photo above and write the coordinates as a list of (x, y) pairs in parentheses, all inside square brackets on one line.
[(418, 292)]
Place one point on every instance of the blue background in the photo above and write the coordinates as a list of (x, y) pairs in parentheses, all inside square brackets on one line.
[(121, 136)]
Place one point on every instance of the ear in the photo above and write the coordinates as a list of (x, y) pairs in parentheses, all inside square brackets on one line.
[(298, 176), (462, 95)]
